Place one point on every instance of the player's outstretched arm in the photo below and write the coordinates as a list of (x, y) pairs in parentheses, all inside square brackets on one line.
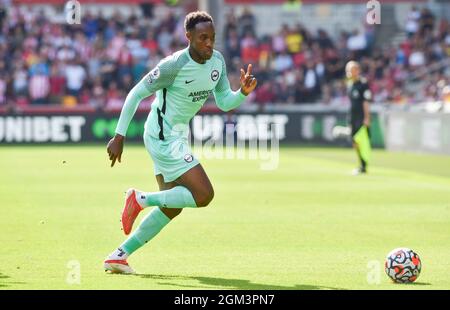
[(227, 99), (160, 77), (134, 97)]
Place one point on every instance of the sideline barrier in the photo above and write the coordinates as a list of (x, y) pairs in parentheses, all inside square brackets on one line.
[(418, 131), (313, 126)]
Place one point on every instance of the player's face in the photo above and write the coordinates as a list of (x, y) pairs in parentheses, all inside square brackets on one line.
[(202, 39), (352, 71)]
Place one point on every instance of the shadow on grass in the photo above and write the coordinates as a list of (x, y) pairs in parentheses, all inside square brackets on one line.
[(4, 282), (413, 284), (232, 284)]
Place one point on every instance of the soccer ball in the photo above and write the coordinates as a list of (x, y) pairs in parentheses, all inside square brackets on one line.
[(403, 265)]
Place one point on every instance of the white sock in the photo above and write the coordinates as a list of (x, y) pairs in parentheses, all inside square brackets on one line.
[(118, 254)]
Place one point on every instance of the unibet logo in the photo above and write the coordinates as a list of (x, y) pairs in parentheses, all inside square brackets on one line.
[(41, 128), (248, 127)]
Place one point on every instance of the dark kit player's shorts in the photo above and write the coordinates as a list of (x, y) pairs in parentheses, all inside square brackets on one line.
[(356, 125)]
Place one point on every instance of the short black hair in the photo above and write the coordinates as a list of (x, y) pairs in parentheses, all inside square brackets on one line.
[(195, 18)]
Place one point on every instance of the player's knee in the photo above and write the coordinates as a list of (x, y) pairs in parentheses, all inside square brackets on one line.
[(204, 199)]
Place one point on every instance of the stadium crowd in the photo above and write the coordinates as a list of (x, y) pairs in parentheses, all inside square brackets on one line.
[(98, 61)]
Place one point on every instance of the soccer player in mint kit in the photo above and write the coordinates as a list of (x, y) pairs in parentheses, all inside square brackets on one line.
[(182, 82)]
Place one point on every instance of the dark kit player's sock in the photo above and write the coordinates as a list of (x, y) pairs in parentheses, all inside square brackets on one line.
[(363, 164)]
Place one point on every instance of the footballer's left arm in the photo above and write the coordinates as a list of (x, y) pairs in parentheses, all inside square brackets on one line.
[(227, 99), (367, 95), (366, 108)]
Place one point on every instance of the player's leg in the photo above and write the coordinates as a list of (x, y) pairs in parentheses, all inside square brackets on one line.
[(197, 182), (194, 183), (197, 190), (193, 190), (170, 213), (363, 164), (356, 126), (153, 223)]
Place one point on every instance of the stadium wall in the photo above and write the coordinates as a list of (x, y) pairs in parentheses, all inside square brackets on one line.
[(418, 132), (312, 126)]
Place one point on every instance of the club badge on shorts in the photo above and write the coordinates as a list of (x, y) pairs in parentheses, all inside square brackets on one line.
[(188, 158)]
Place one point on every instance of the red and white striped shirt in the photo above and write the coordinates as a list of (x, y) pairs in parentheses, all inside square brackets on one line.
[(39, 86)]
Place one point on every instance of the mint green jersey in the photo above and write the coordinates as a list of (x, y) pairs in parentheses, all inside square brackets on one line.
[(182, 86)]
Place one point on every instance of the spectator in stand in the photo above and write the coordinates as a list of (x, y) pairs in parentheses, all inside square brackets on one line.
[(150, 43), (279, 40), (294, 40), (230, 25), (427, 21), (114, 98), (233, 45), (326, 94), (165, 40), (282, 62), (324, 40), (3, 88), (334, 66), (284, 93), (66, 53), (357, 44), (417, 58), (412, 22), (246, 22), (311, 83), (116, 45), (20, 81), (39, 86), (57, 83), (124, 62), (264, 94), (300, 66), (98, 99), (75, 77), (249, 48)]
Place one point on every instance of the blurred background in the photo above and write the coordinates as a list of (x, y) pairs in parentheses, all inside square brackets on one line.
[(52, 67)]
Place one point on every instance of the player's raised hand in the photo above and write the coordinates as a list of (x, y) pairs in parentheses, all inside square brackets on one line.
[(115, 148), (248, 81)]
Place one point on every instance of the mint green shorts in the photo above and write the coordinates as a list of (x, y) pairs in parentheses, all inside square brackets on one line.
[(172, 157)]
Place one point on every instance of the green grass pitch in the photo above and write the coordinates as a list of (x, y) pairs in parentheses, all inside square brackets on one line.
[(307, 225)]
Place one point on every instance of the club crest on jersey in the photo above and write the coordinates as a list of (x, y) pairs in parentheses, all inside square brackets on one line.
[(215, 75), (188, 158)]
